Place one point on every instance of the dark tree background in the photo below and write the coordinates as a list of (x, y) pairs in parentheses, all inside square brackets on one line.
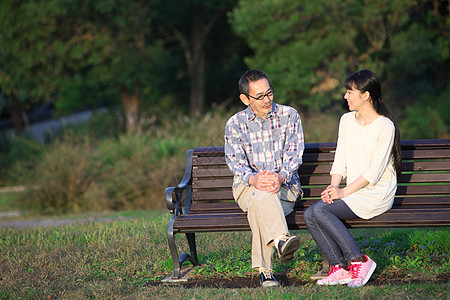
[(144, 56)]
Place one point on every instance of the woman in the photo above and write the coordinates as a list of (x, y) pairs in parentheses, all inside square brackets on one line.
[(368, 156)]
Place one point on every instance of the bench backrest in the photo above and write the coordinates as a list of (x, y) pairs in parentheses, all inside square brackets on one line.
[(425, 178)]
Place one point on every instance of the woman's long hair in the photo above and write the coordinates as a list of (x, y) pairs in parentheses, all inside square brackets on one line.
[(367, 81)]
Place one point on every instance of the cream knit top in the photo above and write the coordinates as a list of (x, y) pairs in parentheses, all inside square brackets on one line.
[(365, 150)]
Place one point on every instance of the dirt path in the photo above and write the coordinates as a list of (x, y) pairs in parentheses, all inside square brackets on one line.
[(12, 219)]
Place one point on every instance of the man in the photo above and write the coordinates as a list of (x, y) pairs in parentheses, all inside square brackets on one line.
[(263, 148)]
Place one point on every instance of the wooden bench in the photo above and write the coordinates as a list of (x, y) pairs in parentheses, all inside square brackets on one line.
[(203, 201)]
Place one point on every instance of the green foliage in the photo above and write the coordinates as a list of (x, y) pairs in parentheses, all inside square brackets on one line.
[(308, 47), (423, 120), (81, 93), (96, 167)]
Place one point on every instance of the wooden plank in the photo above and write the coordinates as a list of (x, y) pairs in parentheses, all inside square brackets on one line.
[(429, 143), (324, 169), (422, 201), (208, 161), (238, 221), (423, 190), (326, 147), (212, 184), (226, 194), (426, 166), (315, 169), (205, 198), (220, 160), (316, 180), (212, 178), (426, 154), (425, 177), (405, 202), (318, 157), (208, 195), (211, 172)]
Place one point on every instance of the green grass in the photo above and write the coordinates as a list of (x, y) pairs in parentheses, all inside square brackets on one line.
[(128, 259)]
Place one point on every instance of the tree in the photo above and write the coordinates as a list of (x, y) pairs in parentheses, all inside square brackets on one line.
[(191, 31), (50, 46), (125, 52), (29, 63), (308, 47)]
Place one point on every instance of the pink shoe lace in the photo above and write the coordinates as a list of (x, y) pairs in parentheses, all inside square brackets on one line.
[(334, 269), (355, 269)]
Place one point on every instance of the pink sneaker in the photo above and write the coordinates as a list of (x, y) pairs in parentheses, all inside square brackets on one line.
[(337, 275), (361, 272)]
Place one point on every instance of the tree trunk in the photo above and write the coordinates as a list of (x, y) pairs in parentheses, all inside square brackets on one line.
[(197, 67), (195, 54), (130, 104), (17, 115)]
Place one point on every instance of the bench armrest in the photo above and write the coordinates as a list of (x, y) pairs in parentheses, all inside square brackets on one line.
[(174, 194)]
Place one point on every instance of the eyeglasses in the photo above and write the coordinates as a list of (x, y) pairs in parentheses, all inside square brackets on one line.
[(269, 94)]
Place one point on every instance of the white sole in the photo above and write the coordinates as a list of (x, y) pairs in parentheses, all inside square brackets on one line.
[(342, 281)]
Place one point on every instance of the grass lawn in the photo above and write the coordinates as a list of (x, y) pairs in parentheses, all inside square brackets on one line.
[(127, 257)]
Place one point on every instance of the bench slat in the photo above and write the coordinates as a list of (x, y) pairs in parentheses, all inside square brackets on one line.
[(439, 201), (208, 158), (323, 180), (426, 166), (326, 147), (238, 221), (426, 154), (405, 178), (227, 194), (223, 171)]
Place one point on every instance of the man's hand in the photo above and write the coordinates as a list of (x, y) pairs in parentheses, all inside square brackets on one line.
[(267, 181)]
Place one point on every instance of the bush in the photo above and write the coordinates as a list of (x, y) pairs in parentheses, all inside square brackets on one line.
[(423, 121), (131, 171)]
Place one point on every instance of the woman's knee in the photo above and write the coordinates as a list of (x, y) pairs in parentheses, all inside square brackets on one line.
[(308, 215)]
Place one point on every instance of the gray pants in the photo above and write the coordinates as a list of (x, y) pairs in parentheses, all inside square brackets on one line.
[(333, 238), (266, 215)]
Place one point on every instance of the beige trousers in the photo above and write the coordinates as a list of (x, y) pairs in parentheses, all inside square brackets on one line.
[(266, 215)]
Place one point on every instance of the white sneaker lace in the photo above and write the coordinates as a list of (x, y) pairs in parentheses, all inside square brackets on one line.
[(267, 274)]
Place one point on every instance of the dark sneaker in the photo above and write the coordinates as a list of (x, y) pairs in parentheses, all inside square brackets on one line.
[(267, 279), (287, 247), (337, 275), (361, 272)]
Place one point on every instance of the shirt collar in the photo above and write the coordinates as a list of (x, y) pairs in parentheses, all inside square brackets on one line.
[(252, 116)]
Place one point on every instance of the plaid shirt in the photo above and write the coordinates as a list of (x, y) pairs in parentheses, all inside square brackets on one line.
[(274, 144)]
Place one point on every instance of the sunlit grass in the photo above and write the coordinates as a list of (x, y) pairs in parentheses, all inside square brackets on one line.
[(130, 257)]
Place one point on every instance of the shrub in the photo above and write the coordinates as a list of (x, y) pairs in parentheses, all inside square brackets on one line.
[(131, 171)]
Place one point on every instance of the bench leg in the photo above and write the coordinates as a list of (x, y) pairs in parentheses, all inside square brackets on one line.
[(192, 257), (173, 249), (325, 269), (178, 261), (325, 264)]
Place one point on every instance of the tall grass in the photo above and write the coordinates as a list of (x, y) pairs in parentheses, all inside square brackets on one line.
[(127, 259)]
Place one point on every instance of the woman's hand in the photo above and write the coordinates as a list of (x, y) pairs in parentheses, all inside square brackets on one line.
[(331, 193)]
